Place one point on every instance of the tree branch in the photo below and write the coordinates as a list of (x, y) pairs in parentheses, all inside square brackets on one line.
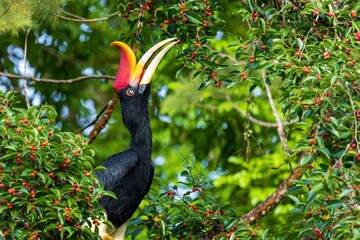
[(57, 81), (253, 119), (25, 56), (280, 127), (106, 114), (274, 199), (76, 18)]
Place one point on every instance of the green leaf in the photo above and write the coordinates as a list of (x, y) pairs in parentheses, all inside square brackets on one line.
[(335, 204), (305, 160), (334, 132), (61, 217), (233, 84), (110, 194), (231, 223), (310, 197), (317, 187), (255, 81), (294, 198), (204, 85), (188, 199), (178, 72), (136, 221), (197, 74), (324, 151), (264, 235), (356, 233), (345, 193), (194, 18), (163, 227), (265, 65), (295, 190), (207, 64), (12, 225), (243, 13), (136, 232), (100, 168), (321, 148), (308, 101), (50, 227), (334, 121), (300, 43), (297, 211), (333, 79), (313, 192), (234, 43), (108, 223)]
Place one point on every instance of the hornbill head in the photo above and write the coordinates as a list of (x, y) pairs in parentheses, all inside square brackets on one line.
[(132, 78), (132, 82)]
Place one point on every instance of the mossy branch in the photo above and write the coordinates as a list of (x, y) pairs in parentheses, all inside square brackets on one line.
[(274, 199)]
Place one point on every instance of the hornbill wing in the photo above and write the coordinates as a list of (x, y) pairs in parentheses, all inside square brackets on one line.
[(117, 166)]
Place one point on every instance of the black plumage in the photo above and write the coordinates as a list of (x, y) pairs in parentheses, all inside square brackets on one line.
[(129, 174)]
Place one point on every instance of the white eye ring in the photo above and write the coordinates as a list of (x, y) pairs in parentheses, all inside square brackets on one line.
[(130, 92)]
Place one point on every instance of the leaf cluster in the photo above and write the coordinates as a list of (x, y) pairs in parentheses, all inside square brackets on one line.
[(326, 204), (16, 15), (313, 49), (47, 186), (189, 210)]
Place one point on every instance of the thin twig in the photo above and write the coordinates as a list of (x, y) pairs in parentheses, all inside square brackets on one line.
[(25, 82), (354, 113), (73, 15), (280, 127), (76, 18), (57, 81), (95, 119), (253, 119)]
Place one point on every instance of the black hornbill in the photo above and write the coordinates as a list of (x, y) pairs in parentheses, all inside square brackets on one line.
[(129, 174)]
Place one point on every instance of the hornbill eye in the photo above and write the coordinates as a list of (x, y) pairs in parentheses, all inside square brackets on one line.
[(130, 92)]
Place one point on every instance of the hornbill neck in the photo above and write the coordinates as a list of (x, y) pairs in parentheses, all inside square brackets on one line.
[(135, 115), (141, 140)]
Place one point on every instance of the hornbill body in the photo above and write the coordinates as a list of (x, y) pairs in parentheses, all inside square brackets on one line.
[(129, 174)]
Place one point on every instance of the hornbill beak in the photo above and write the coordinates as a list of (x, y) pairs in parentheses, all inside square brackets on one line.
[(139, 75)]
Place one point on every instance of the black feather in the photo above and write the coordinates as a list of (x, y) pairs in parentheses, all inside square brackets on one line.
[(129, 174)]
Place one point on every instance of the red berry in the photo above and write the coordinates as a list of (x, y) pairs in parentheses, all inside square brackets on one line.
[(357, 36), (213, 74), (353, 13)]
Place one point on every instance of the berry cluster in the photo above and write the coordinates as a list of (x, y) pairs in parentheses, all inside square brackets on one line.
[(44, 173), (193, 22)]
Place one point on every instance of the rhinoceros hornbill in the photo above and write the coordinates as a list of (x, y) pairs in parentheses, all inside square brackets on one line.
[(129, 174)]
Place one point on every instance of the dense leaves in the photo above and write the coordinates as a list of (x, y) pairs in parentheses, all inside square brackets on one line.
[(47, 186), (303, 53), (189, 210), (328, 206)]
